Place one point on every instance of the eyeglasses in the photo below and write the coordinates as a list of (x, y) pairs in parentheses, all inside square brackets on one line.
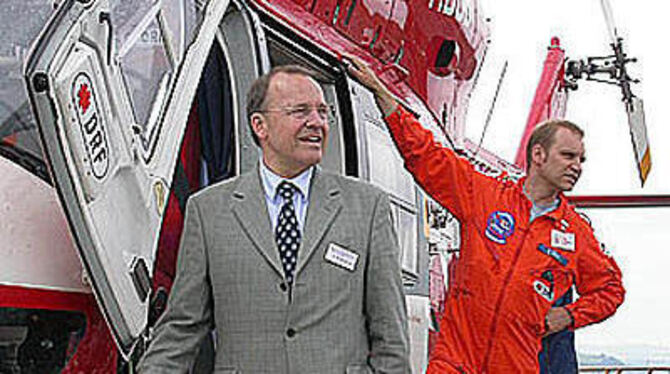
[(302, 111)]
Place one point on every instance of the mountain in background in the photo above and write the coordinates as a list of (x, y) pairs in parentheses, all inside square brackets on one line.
[(636, 355), (602, 359)]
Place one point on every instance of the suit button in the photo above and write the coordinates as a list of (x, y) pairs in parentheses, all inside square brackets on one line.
[(290, 333), (283, 287)]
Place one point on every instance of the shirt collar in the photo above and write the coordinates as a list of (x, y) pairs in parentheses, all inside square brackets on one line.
[(561, 204), (558, 213), (271, 181)]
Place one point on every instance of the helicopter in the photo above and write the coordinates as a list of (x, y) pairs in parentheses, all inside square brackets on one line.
[(118, 110)]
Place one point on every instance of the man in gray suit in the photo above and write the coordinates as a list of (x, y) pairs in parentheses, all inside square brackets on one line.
[(296, 269)]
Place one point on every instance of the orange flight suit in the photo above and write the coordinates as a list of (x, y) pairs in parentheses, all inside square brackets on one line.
[(510, 271)]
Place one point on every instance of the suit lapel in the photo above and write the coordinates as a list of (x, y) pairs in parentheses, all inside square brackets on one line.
[(324, 205), (251, 211)]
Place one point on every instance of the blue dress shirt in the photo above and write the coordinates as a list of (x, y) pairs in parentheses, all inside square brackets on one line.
[(274, 201)]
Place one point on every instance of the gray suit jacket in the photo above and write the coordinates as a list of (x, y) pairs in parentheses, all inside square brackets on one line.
[(229, 276)]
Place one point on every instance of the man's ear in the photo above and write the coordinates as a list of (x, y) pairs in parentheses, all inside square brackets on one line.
[(258, 125), (538, 154)]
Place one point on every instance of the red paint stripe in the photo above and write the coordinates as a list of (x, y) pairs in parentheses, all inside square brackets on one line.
[(550, 81), (39, 298), (621, 201), (96, 352)]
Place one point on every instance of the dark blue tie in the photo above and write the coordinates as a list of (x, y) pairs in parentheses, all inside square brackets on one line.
[(287, 233)]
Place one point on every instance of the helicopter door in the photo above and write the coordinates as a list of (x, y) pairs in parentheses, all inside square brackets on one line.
[(111, 83)]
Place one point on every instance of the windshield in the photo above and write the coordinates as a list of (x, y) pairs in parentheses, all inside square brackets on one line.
[(20, 23)]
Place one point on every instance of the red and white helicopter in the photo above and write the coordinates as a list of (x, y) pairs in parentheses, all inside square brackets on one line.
[(114, 111)]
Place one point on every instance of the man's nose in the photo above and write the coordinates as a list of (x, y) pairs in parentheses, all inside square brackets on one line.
[(576, 166), (314, 118)]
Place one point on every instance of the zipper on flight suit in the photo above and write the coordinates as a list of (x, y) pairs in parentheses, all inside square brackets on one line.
[(508, 277)]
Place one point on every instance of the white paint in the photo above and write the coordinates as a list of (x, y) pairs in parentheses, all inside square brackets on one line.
[(36, 247), (418, 317)]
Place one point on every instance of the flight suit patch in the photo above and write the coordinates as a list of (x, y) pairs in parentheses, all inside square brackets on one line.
[(499, 227), (542, 288), (553, 254)]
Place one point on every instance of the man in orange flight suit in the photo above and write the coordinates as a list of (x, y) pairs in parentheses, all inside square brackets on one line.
[(523, 246)]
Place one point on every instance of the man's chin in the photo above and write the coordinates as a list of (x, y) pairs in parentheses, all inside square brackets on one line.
[(313, 156), (567, 187), (311, 161)]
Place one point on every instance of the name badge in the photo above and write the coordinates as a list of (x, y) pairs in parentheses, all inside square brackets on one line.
[(563, 240), (341, 257)]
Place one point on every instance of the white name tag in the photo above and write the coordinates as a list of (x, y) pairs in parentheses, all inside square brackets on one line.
[(563, 240), (341, 256)]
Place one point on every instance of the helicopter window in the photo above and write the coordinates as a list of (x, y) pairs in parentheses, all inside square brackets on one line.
[(386, 170), (445, 54), (407, 239), (386, 166), (146, 72), (20, 23), (151, 39), (38, 341), (380, 163)]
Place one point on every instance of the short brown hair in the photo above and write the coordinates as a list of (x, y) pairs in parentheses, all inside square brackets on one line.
[(259, 90), (545, 135)]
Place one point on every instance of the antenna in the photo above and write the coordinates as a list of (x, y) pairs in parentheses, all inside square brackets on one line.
[(492, 107)]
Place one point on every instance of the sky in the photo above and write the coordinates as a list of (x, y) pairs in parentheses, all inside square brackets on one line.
[(638, 238)]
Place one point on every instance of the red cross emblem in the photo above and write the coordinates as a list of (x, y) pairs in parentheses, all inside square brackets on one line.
[(84, 98)]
